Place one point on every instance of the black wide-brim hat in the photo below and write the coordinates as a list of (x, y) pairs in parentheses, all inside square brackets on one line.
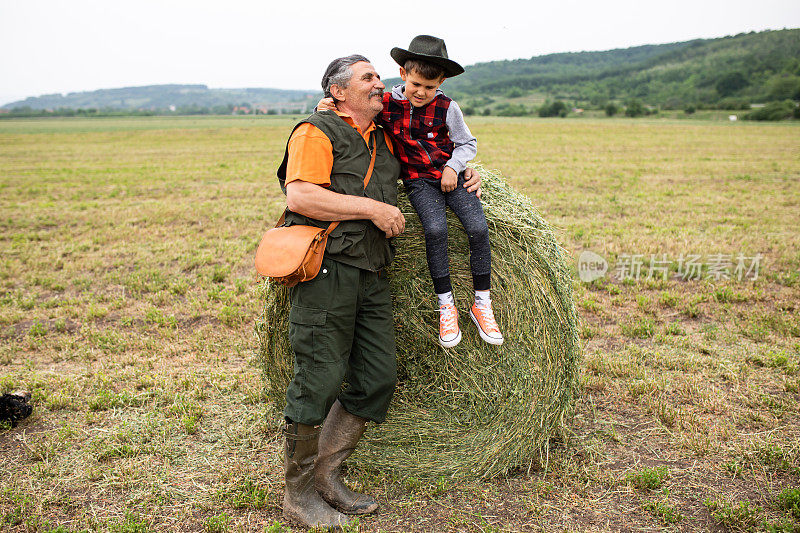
[(428, 48)]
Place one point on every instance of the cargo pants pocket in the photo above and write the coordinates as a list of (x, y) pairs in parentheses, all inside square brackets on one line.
[(304, 324), (315, 337)]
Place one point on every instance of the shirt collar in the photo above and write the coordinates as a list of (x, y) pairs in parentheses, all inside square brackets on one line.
[(347, 118)]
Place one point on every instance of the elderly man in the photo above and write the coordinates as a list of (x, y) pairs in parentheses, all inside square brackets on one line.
[(340, 323)]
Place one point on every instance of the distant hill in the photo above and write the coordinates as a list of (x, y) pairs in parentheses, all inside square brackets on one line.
[(755, 67), (727, 72), (161, 97)]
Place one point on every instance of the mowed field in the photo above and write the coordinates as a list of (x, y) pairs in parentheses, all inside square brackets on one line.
[(128, 296)]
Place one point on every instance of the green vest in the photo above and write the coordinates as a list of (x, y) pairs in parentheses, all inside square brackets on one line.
[(354, 242)]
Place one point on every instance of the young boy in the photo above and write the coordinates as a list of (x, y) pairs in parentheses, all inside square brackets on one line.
[(433, 144)]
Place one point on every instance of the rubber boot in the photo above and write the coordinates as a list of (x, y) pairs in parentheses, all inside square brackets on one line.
[(340, 435), (301, 502)]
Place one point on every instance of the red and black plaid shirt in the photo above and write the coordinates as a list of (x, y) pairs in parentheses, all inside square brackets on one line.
[(421, 139)]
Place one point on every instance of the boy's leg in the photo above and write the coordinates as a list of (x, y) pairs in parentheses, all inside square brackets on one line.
[(467, 207), (429, 202)]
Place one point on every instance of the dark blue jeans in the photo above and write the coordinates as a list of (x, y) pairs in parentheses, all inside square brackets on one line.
[(430, 202)]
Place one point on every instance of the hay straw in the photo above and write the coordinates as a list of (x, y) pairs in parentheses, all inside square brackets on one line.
[(475, 410)]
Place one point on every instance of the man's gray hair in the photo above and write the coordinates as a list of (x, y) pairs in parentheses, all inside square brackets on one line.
[(339, 72)]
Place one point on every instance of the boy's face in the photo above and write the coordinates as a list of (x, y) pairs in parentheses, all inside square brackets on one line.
[(419, 91)]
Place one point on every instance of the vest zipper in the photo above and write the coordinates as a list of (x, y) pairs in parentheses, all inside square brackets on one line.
[(410, 118)]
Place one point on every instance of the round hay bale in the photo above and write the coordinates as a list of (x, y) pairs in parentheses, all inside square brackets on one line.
[(475, 410)]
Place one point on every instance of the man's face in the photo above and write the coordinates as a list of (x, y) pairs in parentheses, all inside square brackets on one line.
[(365, 91), (419, 90)]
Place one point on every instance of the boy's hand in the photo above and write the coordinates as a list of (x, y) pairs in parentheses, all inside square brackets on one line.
[(449, 179), (326, 104), (472, 181)]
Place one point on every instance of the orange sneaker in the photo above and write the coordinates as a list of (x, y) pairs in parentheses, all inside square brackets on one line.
[(449, 334), (487, 327)]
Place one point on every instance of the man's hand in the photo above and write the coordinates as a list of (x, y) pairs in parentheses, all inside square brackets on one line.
[(326, 104), (449, 179), (389, 219), (472, 181)]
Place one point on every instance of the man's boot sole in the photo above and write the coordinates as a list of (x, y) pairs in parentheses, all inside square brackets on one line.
[(356, 512), (297, 520)]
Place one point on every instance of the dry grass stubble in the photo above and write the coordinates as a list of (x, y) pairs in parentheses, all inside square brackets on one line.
[(126, 295)]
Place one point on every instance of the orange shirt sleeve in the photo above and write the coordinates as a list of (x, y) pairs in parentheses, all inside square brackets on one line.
[(310, 156)]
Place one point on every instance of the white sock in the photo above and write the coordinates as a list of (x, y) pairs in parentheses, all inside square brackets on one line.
[(446, 298), (482, 299)]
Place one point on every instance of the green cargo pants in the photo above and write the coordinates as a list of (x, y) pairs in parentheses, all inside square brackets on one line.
[(341, 329)]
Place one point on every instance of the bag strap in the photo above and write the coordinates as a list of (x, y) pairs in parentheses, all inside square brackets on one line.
[(333, 225), (372, 160)]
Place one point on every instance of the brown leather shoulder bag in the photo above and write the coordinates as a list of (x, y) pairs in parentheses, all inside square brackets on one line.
[(293, 254)]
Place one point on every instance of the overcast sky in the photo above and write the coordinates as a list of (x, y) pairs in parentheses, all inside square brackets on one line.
[(49, 46)]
